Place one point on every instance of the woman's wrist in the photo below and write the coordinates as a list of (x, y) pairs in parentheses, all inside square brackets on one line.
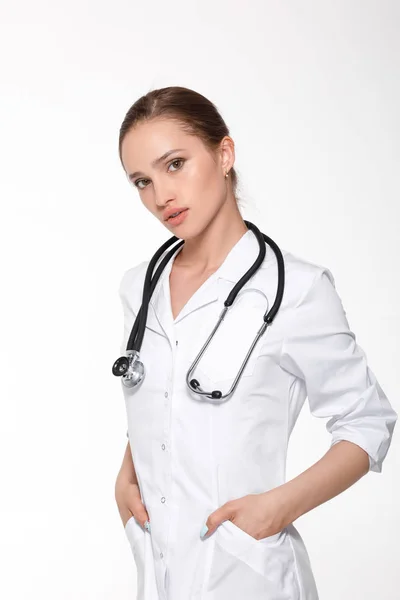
[(287, 504)]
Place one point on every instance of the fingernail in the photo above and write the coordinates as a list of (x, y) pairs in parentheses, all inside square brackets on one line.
[(147, 526), (203, 531)]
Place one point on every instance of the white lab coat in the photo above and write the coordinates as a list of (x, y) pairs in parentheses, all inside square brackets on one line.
[(192, 455)]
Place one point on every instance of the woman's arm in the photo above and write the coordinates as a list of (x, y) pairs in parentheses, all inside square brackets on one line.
[(127, 471), (343, 465), (127, 492), (321, 350), (267, 513)]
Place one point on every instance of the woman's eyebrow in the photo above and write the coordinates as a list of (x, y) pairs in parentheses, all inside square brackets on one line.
[(156, 161)]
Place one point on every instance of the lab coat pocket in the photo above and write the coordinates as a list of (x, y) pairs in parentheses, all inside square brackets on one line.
[(244, 567), (135, 534), (234, 337)]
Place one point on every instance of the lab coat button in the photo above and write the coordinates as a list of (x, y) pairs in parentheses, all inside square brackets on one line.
[(166, 394), (161, 554), (163, 446), (163, 499)]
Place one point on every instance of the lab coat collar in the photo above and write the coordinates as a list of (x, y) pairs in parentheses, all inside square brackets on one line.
[(239, 259)]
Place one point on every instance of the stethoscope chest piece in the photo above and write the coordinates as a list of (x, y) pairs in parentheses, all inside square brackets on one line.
[(130, 368), (120, 366)]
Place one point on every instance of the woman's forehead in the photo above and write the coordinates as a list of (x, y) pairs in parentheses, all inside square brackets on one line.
[(148, 143)]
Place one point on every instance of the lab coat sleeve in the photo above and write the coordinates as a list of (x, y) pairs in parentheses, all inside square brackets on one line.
[(124, 291), (128, 314), (320, 348)]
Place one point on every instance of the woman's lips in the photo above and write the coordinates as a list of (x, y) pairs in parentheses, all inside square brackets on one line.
[(179, 218)]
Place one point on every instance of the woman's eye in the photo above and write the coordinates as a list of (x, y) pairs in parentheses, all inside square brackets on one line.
[(177, 160), (138, 181)]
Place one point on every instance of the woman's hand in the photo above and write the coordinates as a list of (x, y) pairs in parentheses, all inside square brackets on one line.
[(129, 502), (259, 515)]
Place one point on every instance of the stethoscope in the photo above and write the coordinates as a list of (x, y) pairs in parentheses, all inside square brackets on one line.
[(130, 366)]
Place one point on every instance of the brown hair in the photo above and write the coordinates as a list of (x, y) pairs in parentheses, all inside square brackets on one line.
[(195, 113)]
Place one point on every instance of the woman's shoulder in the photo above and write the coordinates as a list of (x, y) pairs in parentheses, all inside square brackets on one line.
[(133, 276), (301, 274), (305, 270)]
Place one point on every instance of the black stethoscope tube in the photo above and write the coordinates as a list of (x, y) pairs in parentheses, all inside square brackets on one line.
[(136, 336)]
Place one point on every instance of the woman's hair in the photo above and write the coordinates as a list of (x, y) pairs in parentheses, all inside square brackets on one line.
[(195, 114)]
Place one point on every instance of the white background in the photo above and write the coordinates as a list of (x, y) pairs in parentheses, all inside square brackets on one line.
[(310, 91)]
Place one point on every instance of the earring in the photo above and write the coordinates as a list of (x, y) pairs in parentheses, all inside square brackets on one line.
[(226, 174)]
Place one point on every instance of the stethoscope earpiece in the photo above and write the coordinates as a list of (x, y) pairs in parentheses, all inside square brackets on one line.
[(195, 385)]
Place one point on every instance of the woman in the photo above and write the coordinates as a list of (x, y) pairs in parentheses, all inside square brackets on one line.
[(201, 490)]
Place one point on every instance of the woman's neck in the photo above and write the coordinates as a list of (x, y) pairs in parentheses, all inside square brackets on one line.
[(208, 250)]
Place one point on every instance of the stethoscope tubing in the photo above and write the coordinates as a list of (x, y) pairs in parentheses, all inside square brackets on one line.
[(136, 336), (135, 376)]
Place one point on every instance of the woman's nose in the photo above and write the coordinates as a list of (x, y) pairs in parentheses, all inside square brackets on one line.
[(163, 198)]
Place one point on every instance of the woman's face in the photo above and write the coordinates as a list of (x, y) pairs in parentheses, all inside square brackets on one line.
[(188, 178)]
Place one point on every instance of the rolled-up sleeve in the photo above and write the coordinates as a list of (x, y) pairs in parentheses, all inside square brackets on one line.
[(320, 348)]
